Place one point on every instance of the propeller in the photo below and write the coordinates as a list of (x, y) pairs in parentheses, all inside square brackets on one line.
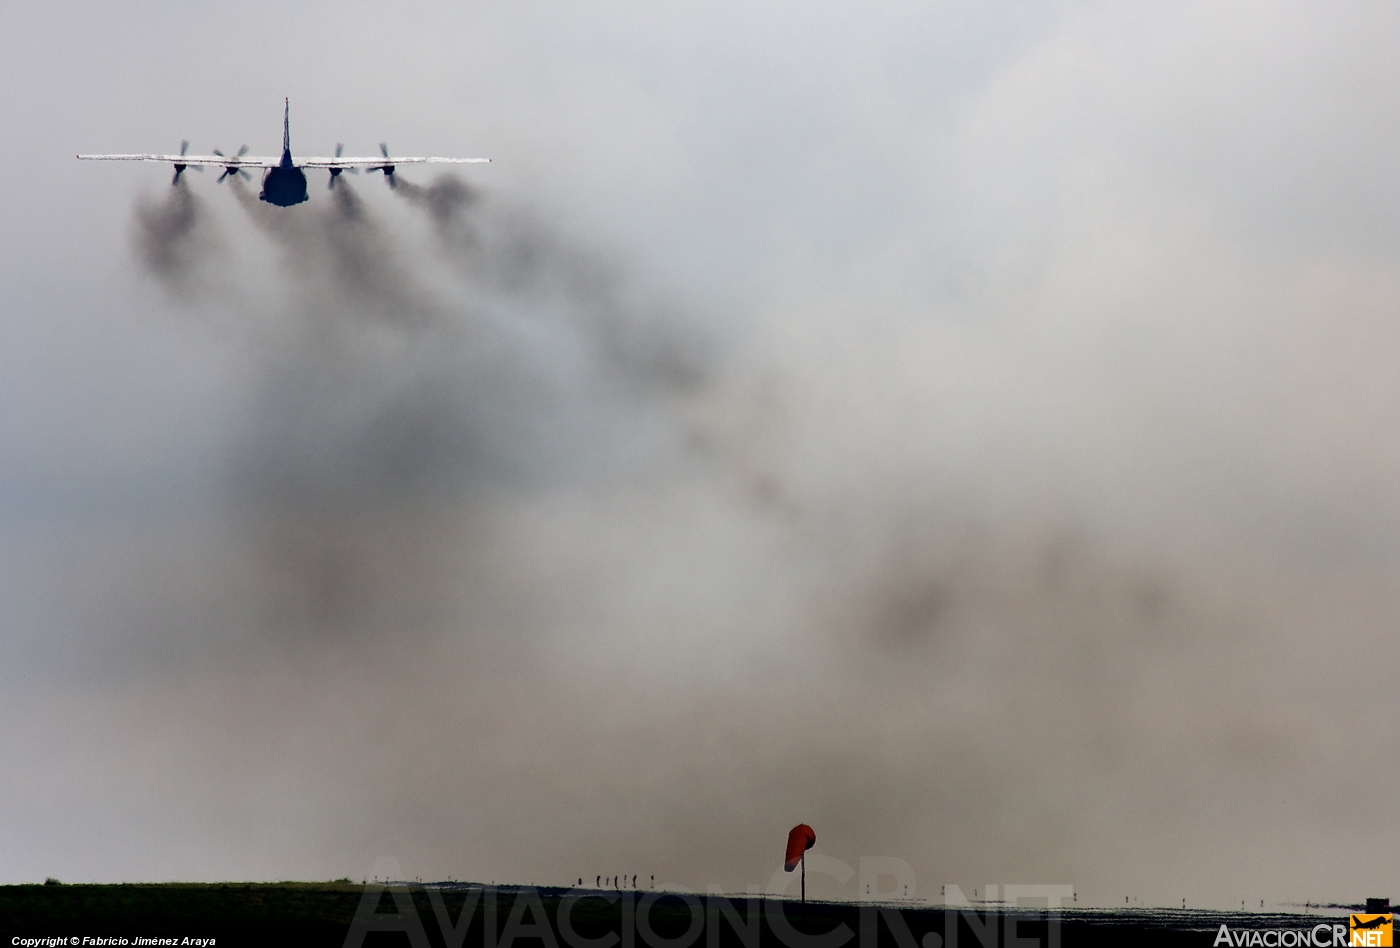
[(180, 168), (337, 172), (232, 167), (388, 169)]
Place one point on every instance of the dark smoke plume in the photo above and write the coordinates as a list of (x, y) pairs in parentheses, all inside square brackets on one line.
[(340, 262), (446, 200), (510, 253), (174, 239), (389, 400)]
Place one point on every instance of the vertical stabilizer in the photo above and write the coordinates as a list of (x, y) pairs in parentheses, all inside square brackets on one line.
[(286, 128)]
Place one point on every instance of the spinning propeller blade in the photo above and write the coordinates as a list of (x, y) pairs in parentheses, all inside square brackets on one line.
[(179, 168), (337, 172), (388, 169), (232, 168)]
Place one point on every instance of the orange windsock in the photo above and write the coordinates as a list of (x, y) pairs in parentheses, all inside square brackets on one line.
[(800, 839)]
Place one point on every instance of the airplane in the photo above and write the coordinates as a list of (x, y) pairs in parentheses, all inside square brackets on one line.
[(284, 183), (1375, 922)]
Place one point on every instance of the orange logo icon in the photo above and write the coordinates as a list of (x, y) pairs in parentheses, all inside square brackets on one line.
[(1371, 931)]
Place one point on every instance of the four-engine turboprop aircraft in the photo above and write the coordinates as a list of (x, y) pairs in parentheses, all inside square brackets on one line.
[(284, 184)]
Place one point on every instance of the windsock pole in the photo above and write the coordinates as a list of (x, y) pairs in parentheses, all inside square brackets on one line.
[(800, 839)]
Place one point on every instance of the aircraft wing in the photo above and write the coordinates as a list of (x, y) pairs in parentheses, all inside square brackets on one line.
[(218, 161), (374, 164)]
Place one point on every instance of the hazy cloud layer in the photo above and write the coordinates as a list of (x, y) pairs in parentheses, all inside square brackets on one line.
[(968, 433)]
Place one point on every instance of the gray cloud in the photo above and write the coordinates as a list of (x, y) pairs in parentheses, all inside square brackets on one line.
[(966, 433)]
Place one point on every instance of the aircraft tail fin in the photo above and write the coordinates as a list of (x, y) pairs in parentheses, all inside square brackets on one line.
[(287, 126)]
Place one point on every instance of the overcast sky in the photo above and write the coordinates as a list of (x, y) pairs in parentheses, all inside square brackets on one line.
[(967, 428)]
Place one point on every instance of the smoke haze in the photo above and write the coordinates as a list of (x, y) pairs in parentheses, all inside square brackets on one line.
[(970, 435)]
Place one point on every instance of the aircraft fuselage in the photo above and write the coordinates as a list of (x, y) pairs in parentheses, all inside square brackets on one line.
[(284, 185)]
